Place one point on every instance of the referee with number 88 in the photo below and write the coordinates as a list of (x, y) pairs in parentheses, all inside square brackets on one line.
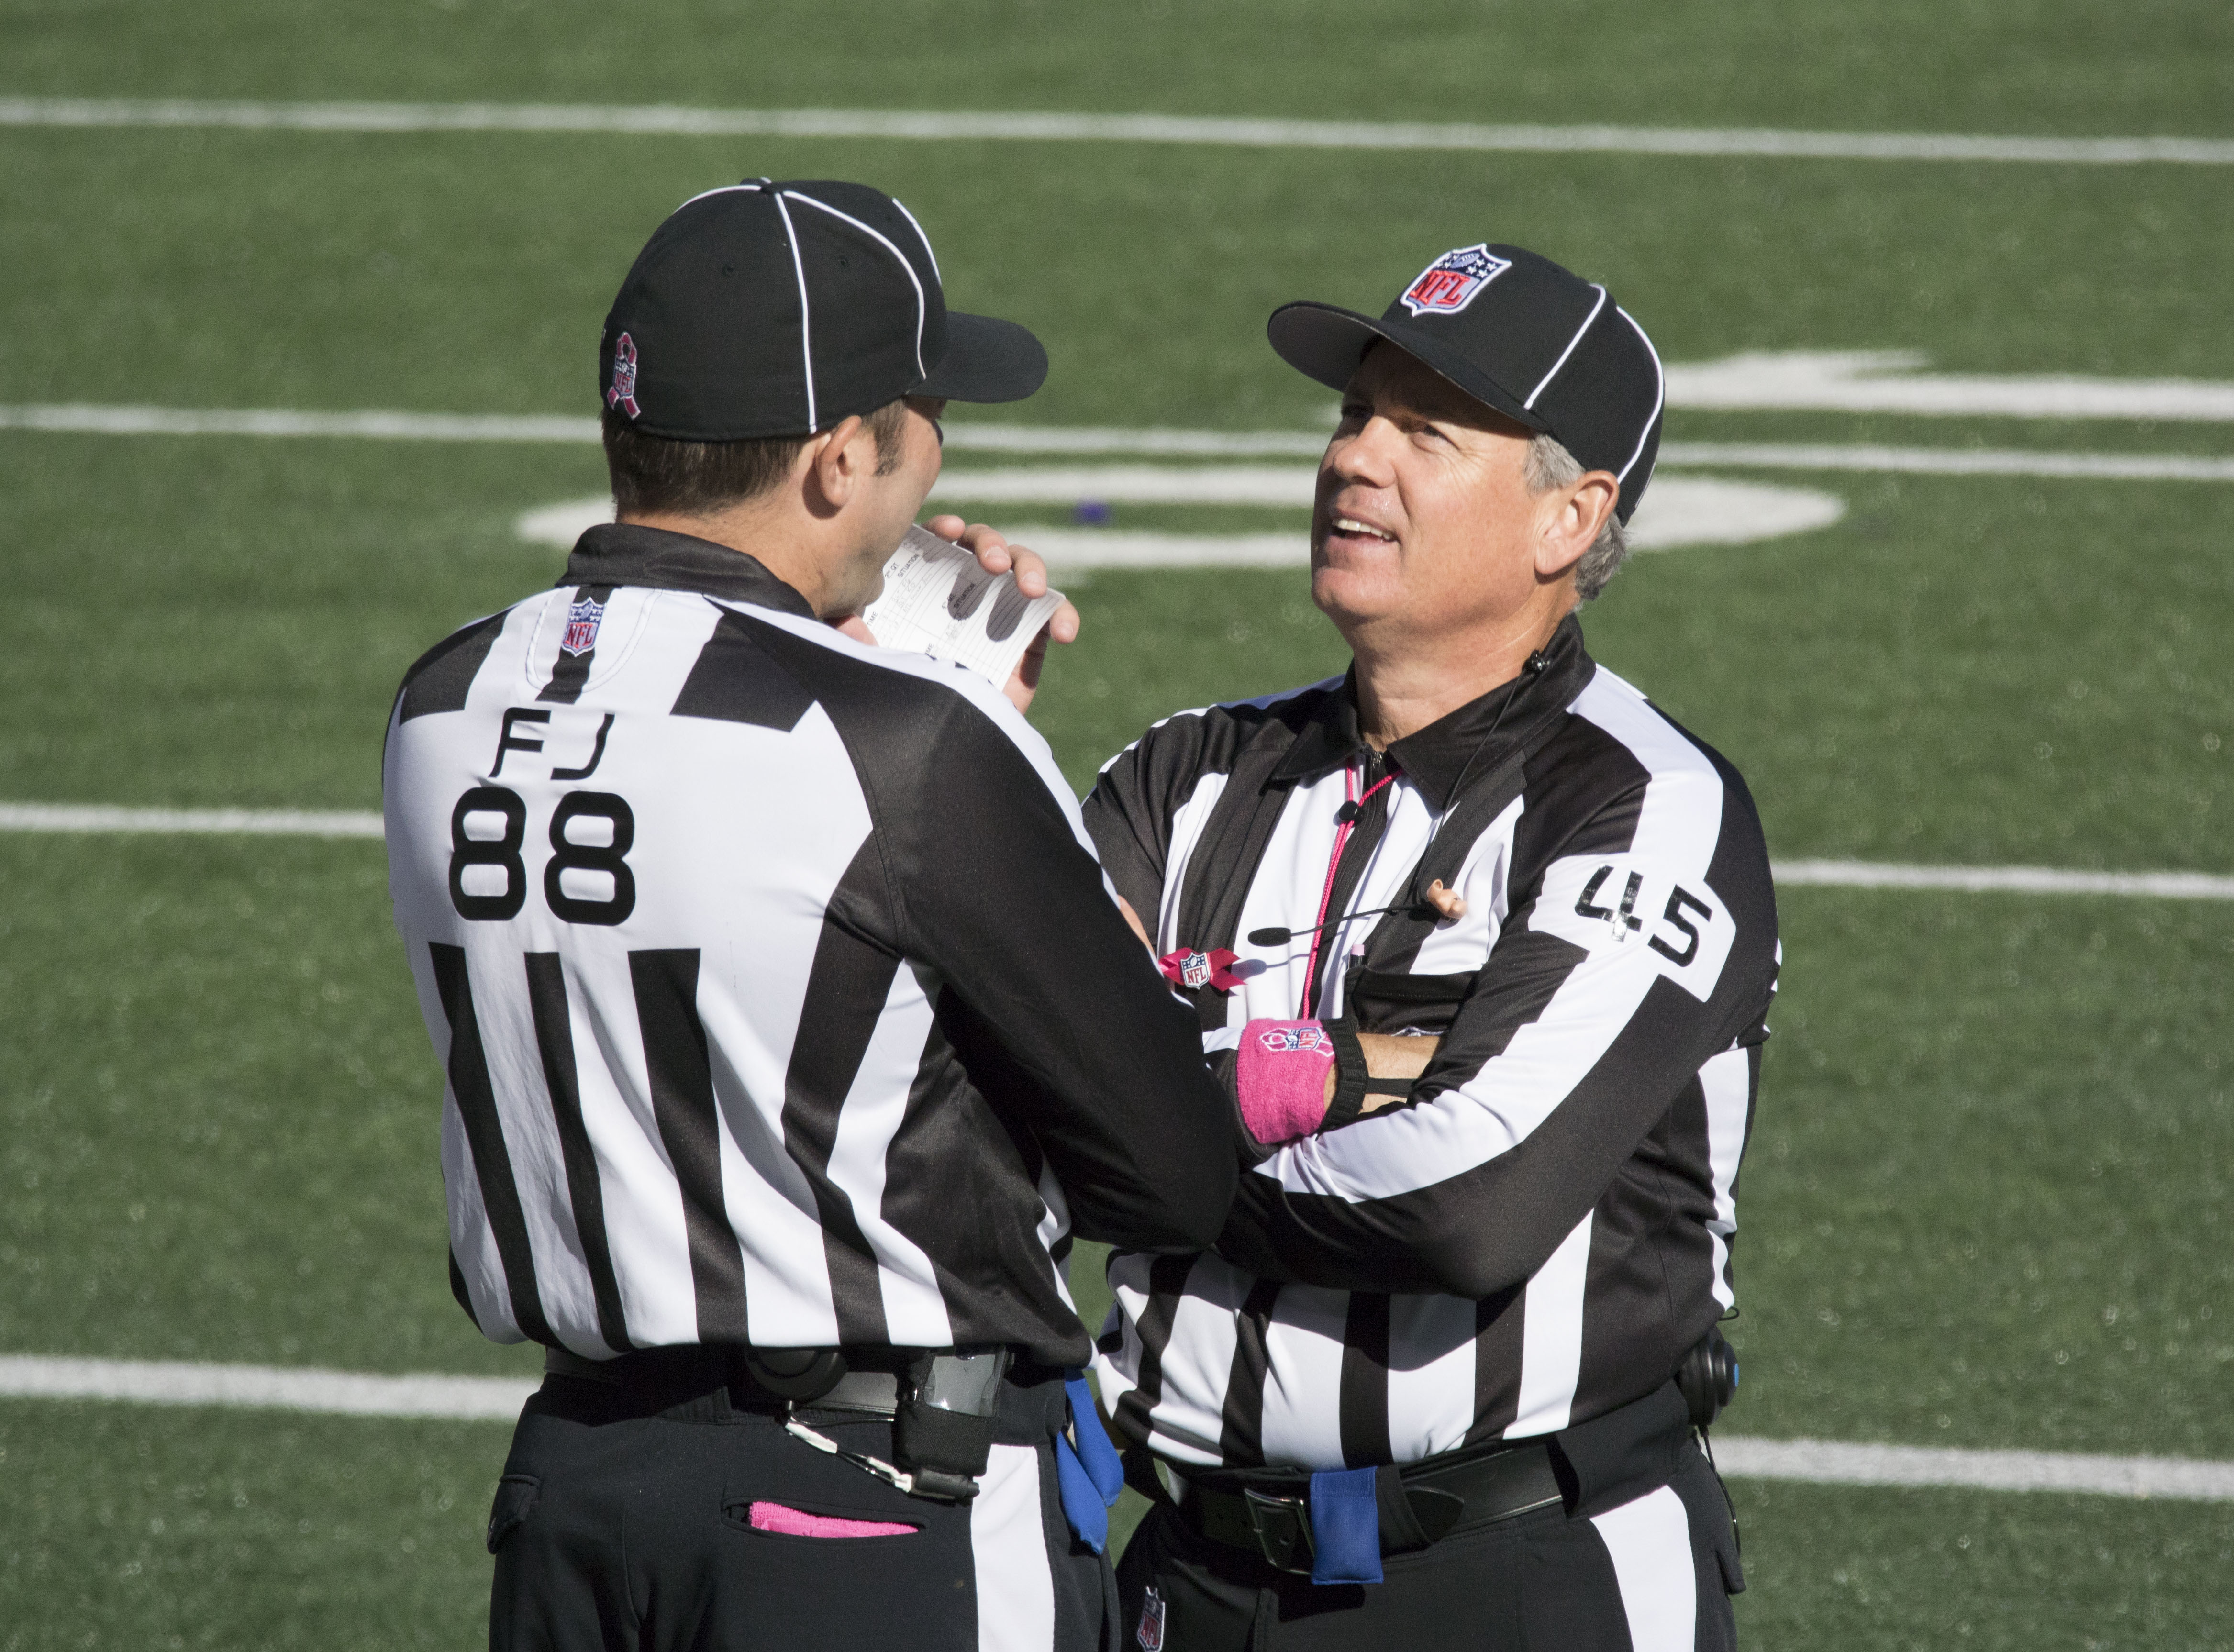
[(789, 1029)]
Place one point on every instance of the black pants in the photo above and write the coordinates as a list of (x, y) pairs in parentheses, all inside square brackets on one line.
[(1653, 1575), (618, 1532)]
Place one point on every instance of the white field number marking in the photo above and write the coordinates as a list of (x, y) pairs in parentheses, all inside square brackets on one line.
[(1675, 512)]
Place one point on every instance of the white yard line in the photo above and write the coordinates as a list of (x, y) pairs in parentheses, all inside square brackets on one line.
[(97, 817), (1947, 461), (2027, 880), (80, 419), (1830, 1462), (1225, 131), (284, 1388), (390, 426), (499, 1400), (1891, 382), (1679, 510), (1845, 874)]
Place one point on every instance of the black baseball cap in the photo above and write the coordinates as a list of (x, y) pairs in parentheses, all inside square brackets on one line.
[(1519, 334), (778, 310)]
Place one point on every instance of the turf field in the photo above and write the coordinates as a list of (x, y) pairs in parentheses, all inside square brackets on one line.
[(1988, 1202)]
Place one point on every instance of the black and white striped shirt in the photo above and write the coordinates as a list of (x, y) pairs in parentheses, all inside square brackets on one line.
[(1541, 1232), (780, 998)]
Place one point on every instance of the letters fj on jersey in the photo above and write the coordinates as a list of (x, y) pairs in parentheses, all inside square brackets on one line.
[(1449, 284), (1611, 903)]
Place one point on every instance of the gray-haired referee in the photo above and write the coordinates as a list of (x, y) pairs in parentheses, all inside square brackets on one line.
[(789, 1028), (1435, 1385)]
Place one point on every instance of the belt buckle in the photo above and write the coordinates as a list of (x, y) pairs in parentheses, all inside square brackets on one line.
[(1283, 1526)]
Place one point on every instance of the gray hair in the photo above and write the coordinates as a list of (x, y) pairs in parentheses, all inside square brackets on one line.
[(1550, 466)]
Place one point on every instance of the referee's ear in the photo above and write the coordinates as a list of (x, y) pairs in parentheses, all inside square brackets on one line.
[(837, 463)]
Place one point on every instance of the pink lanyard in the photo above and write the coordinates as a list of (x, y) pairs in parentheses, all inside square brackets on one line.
[(1334, 863)]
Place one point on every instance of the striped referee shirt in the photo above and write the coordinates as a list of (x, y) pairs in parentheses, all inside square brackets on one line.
[(780, 999), (1543, 1230)]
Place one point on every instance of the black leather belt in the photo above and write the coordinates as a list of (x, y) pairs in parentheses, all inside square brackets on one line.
[(1271, 1515), (872, 1393)]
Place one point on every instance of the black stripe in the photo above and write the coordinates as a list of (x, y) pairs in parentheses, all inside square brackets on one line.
[(440, 679), (1241, 1422), (458, 1289), (666, 983), (1364, 1394), (1497, 1322), (555, 1038), (476, 1099), (847, 988), (735, 680), (1168, 1277), (571, 671)]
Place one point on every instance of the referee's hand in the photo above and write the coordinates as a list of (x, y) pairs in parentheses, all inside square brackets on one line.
[(995, 555)]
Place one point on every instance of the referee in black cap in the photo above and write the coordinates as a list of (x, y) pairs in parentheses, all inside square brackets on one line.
[(789, 1031), (1437, 1384)]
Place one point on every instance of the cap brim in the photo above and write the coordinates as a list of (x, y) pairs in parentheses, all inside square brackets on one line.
[(1326, 342), (986, 360)]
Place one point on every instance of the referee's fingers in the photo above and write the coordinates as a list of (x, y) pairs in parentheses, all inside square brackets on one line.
[(996, 555)]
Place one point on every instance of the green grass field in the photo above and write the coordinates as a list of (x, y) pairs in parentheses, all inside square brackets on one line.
[(1988, 1199)]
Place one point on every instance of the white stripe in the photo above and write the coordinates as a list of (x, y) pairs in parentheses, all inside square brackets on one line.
[(806, 317), (1008, 1552), (921, 237), (1303, 1345), (725, 189), (1659, 397), (1185, 832), (1726, 1084), (868, 1119), (900, 258), (468, 1399), (307, 1388), (1649, 1543), (1244, 132), (1569, 351), (1198, 1360), (1551, 1337)]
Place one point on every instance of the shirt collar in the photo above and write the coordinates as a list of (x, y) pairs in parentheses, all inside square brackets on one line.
[(619, 554), (1467, 743)]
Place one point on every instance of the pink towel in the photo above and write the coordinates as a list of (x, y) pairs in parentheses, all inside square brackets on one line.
[(1281, 1078), (797, 1522)]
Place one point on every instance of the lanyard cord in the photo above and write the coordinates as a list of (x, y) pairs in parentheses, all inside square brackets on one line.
[(1535, 666), (1353, 805)]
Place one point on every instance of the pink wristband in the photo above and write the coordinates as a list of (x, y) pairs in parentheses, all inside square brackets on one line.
[(1280, 1079)]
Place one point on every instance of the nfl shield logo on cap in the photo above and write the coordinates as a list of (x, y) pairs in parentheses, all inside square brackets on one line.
[(1449, 284)]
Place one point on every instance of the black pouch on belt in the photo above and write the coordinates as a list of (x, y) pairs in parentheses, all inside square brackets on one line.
[(943, 1430)]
